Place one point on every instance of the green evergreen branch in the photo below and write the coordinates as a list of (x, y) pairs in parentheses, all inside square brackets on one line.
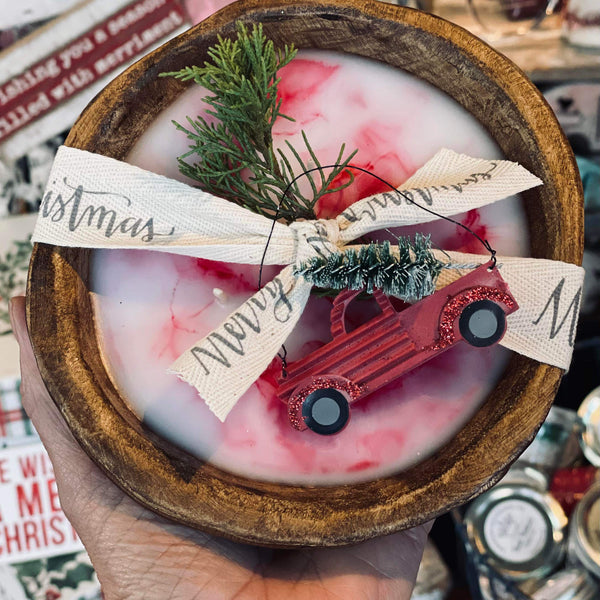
[(232, 155), (409, 274), (341, 165)]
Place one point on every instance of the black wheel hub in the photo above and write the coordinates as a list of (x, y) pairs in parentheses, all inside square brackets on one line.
[(482, 323), (326, 411)]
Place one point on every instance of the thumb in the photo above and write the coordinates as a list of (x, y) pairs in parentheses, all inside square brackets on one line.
[(76, 475), (38, 404)]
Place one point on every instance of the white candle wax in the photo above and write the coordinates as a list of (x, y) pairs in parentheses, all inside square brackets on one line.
[(153, 306)]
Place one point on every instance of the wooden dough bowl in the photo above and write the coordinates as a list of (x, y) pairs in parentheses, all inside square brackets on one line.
[(189, 491)]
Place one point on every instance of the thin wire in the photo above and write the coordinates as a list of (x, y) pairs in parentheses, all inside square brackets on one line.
[(485, 243), (282, 356), (262, 260)]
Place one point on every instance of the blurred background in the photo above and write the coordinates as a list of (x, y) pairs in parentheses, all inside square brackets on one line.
[(534, 535)]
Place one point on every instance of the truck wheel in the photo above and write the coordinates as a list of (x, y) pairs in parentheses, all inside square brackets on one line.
[(482, 323), (326, 411)]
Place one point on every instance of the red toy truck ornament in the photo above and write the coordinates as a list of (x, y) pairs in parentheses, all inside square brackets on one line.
[(319, 387)]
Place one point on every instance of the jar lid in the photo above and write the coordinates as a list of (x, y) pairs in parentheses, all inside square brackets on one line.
[(522, 473), (589, 413), (584, 533), (555, 444), (520, 530)]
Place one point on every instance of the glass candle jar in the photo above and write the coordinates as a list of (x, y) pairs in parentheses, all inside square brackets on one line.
[(584, 533), (519, 529)]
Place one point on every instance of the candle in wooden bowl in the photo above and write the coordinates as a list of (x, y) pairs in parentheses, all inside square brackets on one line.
[(421, 83)]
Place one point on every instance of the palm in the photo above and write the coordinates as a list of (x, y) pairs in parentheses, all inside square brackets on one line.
[(138, 554), (177, 562)]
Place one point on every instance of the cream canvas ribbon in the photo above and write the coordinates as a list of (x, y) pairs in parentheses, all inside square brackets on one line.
[(93, 201)]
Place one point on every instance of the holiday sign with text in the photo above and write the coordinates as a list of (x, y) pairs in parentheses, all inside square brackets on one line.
[(32, 523), (65, 72)]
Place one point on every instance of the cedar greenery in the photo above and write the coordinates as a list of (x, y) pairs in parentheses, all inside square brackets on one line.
[(234, 154), (234, 158), (410, 274)]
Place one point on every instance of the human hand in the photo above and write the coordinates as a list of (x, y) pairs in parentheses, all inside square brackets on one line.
[(140, 555)]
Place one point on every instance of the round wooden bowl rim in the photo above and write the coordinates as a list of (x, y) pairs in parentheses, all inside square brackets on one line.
[(183, 488)]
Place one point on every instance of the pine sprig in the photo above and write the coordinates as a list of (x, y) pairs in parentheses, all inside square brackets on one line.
[(409, 274), (234, 154)]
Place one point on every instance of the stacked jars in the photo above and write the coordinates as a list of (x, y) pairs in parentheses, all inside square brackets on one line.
[(536, 534)]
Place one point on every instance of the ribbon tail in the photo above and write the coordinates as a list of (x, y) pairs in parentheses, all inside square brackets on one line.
[(448, 184), (93, 201), (548, 293), (242, 346)]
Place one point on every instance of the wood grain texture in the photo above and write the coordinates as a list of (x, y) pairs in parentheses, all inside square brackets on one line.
[(185, 489)]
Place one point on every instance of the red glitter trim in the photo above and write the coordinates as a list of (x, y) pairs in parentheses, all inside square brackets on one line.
[(454, 307), (297, 399)]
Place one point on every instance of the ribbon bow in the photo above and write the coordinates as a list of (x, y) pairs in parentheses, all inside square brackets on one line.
[(97, 202)]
